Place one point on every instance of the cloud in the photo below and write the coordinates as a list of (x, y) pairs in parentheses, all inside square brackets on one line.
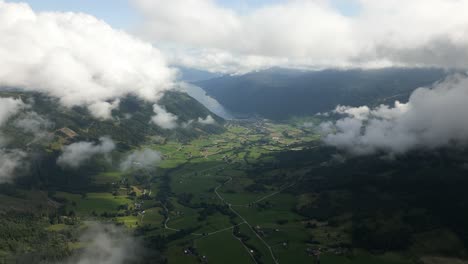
[(35, 124), (30, 122), (169, 121), (77, 58), (10, 160), (308, 125), (144, 158), (106, 244), (76, 154), (216, 60), (164, 119), (9, 107), (187, 124), (103, 110), (433, 118), (305, 34), (209, 120)]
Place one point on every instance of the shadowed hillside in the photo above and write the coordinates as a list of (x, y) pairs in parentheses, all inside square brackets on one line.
[(279, 93)]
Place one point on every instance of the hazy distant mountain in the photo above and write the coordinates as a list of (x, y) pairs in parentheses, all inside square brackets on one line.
[(278, 93), (194, 75)]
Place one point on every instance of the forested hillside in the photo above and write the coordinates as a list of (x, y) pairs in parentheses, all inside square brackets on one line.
[(281, 93)]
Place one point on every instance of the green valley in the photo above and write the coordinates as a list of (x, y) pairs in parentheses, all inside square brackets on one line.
[(253, 193)]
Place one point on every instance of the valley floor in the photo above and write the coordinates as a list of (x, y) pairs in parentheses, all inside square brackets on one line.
[(225, 198)]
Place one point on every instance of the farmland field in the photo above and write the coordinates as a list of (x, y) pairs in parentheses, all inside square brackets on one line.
[(234, 197)]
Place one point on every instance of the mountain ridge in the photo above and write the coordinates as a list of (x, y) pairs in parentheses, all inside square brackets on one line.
[(278, 93)]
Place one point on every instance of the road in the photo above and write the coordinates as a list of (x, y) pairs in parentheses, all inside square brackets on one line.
[(244, 220), (264, 197)]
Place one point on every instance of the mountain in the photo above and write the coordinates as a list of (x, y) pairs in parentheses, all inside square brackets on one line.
[(41, 130), (131, 122), (195, 75), (216, 187), (281, 93)]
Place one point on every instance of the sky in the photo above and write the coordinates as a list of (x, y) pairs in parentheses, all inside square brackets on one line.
[(118, 13)]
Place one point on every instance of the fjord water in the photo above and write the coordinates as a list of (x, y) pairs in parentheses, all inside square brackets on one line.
[(209, 102)]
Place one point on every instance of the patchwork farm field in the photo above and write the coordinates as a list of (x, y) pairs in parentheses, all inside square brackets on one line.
[(234, 197), (206, 189)]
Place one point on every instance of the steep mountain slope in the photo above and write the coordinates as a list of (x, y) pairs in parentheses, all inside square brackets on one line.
[(280, 93), (131, 123), (38, 133)]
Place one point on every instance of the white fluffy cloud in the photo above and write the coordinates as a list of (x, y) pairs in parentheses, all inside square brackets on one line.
[(209, 120), (76, 154), (309, 33), (144, 158), (164, 119), (433, 118), (103, 110), (77, 58)]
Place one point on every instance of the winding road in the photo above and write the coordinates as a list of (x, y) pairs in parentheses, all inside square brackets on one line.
[(244, 221)]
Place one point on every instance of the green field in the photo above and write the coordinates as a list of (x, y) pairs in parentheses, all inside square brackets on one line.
[(234, 197), (231, 251), (94, 202)]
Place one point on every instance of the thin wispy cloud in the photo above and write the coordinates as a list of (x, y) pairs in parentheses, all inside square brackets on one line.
[(76, 154), (141, 159), (10, 159)]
